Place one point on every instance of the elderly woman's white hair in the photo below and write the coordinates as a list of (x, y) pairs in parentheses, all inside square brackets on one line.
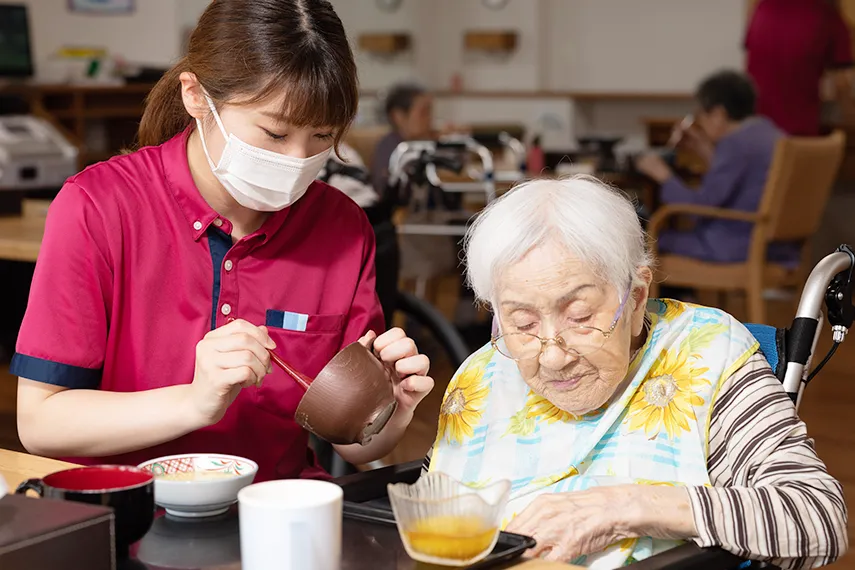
[(596, 223)]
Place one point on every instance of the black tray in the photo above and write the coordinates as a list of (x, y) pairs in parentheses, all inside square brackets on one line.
[(366, 493), (366, 500), (508, 548)]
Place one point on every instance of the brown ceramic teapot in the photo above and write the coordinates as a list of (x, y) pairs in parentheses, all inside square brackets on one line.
[(350, 400)]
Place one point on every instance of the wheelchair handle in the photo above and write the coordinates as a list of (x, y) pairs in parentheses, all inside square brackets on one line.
[(829, 283), (452, 164), (820, 278), (334, 167)]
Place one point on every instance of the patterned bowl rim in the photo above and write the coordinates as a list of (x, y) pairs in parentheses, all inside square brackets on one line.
[(147, 465)]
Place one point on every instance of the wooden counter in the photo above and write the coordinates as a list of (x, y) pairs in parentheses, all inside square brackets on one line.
[(21, 237), (104, 116), (18, 467)]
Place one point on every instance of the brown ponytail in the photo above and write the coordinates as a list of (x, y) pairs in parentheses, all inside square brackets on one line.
[(164, 115), (254, 49)]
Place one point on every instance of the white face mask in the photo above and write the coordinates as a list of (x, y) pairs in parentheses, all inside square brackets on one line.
[(260, 179)]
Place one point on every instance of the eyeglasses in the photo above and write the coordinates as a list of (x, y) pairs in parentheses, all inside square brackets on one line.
[(578, 340)]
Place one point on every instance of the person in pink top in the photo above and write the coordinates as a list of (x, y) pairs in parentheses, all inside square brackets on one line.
[(790, 45), (166, 274)]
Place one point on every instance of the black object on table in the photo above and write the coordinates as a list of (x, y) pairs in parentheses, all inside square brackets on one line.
[(370, 540)]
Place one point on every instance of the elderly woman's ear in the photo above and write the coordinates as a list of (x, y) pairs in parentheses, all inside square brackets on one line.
[(640, 292)]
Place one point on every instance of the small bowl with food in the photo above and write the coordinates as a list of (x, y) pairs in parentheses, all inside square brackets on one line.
[(196, 485)]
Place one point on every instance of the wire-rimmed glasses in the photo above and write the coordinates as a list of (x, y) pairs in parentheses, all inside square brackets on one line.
[(578, 340)]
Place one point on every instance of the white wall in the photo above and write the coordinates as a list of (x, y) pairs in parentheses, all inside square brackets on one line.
[(520, 71), (149, 35), (564, 45), (414, 17), (189, 11), (578, 45), (641, 46)]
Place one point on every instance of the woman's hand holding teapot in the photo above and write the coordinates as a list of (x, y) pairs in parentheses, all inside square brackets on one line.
[(395, 347)]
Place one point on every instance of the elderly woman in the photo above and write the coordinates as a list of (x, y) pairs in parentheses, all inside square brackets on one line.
[(625, 424)]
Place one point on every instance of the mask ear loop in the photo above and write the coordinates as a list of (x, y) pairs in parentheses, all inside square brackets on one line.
[(216, 116), (202, 131)]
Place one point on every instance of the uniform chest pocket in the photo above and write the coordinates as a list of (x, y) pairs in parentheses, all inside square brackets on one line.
[(305, 341)]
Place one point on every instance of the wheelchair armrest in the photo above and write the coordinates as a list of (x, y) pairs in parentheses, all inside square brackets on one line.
[(370, 485), (690, 555)]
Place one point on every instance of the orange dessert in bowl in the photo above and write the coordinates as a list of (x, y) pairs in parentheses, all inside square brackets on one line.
[(446, 522)]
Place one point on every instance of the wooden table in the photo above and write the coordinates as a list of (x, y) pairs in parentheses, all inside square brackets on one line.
[(18, 467), (21, 237)]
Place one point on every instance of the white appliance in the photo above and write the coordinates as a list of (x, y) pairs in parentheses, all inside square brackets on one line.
[(33, 154)]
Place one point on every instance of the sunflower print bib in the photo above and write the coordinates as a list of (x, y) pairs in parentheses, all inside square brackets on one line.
[(492, 426)]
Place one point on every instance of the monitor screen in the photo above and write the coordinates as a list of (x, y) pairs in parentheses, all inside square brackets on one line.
[(15, 55)]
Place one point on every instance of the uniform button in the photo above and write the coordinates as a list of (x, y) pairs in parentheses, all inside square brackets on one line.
[(229, 265), (197, 225), (226, 309), (218, 222)]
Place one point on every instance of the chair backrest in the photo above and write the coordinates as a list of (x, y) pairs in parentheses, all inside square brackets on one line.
[(801, 176), (771, 345)]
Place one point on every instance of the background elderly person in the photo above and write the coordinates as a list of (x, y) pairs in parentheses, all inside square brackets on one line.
[(409, 109), (619, 418), (738, 147)]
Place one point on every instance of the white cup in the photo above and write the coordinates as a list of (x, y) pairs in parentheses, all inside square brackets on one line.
[(293, 524)]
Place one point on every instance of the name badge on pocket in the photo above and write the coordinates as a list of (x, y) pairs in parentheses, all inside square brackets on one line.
[(287, 320)]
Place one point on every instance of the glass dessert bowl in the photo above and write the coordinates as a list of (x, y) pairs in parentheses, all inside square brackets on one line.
[(446, 522)]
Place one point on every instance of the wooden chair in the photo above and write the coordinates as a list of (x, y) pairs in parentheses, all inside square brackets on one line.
[(797, 190)]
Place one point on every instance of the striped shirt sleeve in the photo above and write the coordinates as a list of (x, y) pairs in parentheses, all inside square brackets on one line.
[(772, 498)]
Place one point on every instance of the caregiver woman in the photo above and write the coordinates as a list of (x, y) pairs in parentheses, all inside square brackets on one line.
[(166, 274)]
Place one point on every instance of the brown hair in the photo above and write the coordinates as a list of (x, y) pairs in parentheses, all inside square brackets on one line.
[(251, 49)]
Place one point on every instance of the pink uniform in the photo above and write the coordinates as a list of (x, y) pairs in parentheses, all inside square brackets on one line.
[(136, 268), (791, 43)]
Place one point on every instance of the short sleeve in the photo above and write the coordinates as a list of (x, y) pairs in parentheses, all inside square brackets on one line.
[(840, 50), (63, 337)]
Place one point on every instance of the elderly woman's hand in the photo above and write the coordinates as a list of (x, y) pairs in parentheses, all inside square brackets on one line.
[(568, 525)]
